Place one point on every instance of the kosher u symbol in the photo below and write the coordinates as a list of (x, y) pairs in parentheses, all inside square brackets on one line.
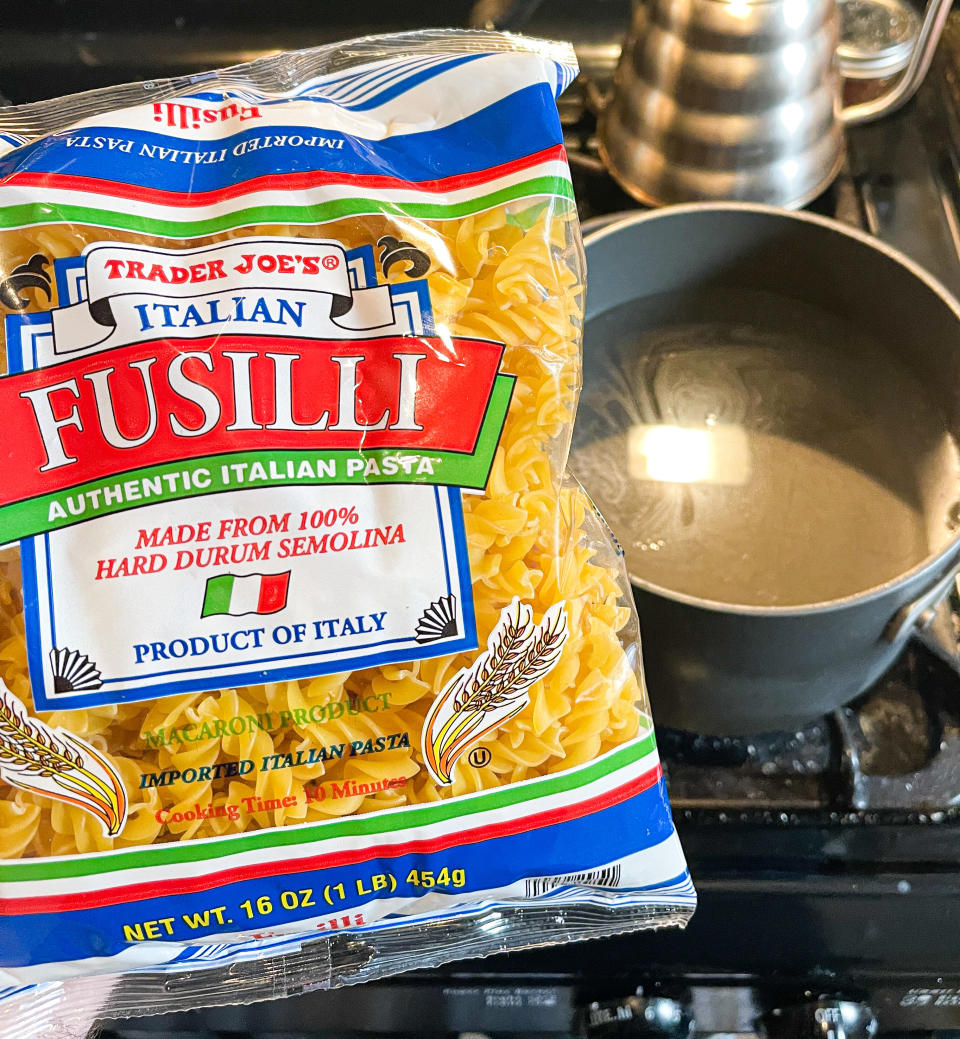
[(479, 757)]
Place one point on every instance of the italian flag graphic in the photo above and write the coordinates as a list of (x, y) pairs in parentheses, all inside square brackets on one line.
[(234, 595)]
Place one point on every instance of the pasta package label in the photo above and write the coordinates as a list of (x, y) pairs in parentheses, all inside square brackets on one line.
[(304, 629), (233, 431)]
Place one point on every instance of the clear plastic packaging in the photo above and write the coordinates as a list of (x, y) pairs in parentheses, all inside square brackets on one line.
[(316, 666)]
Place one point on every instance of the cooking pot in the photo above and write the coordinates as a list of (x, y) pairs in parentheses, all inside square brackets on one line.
[(717, 668)]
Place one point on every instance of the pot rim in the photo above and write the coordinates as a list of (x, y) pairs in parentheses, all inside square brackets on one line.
[(937, 562)]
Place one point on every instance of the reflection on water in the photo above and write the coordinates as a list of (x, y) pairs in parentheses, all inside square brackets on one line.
[(680, 454), (751, 449)]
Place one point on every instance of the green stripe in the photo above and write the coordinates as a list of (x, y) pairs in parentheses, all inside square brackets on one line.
[(449, 468), (44, 213), (360, 825), (216, 599)]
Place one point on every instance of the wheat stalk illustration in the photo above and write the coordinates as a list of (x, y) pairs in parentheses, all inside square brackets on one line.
[(494, 688), (54, 763)]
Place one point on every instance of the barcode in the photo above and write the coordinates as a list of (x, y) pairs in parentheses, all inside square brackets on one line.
[(609, 877)]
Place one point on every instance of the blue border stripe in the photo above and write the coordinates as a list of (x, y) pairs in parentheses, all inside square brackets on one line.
[(31, 609), (519, 125), (571, 846), (443, 540)]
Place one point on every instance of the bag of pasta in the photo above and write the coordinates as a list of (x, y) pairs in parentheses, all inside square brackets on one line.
[(309, 648)]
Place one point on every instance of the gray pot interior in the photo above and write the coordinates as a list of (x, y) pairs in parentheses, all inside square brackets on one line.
[(696, 247)]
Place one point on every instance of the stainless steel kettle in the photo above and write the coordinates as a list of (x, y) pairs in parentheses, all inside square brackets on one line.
[(739, 99)]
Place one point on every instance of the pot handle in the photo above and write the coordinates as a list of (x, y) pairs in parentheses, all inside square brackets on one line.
[(919, 613)]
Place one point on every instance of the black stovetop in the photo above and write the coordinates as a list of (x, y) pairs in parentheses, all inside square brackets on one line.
[(826, 858)]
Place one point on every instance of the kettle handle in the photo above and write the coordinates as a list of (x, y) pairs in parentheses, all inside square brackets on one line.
[(913, 75)]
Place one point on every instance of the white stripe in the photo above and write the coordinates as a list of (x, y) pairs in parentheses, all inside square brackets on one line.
[(245, 594), (375, 86), (359, 88), (13, 195), (330, 85)]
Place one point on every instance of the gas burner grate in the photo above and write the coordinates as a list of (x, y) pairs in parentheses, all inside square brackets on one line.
[(892, 754)]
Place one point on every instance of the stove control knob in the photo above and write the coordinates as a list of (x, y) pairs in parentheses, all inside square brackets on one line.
[(822, 1019), (638, 1016)]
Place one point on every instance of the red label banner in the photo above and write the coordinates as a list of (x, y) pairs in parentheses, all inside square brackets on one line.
[(165, 401)]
